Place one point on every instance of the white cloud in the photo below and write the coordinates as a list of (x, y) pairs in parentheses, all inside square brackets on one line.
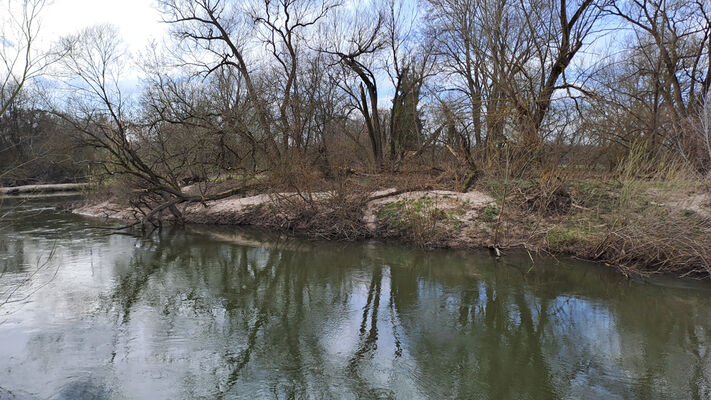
[(137, 20)]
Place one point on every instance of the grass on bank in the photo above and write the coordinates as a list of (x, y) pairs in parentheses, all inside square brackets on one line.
[(640, 221), (422, 221)]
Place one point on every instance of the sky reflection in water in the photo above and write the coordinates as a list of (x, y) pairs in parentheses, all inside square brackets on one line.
[(209, 312)]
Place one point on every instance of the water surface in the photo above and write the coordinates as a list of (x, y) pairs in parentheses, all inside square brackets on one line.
[(210, 312)]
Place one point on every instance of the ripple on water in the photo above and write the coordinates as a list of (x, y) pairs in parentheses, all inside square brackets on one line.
[(180, 314)]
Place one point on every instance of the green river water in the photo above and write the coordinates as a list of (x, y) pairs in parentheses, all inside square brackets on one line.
[(224, 312)]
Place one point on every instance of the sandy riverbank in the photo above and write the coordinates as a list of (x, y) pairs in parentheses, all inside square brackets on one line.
[(465, 209), (654, 231)]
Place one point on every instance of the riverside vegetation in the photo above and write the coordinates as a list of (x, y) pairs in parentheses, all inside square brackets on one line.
[(639, 224), (570, 127)]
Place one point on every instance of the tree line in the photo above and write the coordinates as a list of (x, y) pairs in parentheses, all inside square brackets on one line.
[(331, 86)]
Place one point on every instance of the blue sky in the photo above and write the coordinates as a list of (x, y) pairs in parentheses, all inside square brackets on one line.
[(139, 23)]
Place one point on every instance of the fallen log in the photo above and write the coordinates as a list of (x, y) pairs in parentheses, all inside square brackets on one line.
[(34, 189)]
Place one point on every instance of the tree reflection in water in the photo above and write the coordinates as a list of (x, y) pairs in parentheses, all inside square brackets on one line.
[(299, 319), (222, 313)]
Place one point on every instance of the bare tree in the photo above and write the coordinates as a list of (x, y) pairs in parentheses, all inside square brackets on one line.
[(458, 39), (672, 39), (106, 120), (559, 30), (215, 34), (506, 59), (356, 44), (408, 65), (702, 126), (286, 26), (266, 45), (20, 60)]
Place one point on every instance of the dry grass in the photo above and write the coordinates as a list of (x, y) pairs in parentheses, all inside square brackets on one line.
[(334, 214), (660, 240), (643, 218)]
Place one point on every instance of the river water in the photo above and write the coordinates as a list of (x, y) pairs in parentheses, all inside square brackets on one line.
[(210, 312)]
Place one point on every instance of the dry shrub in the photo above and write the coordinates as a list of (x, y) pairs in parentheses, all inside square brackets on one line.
[(411, 180), (112, 188), (554, 200), (342, 152), (458, 178), (412, 177), (670, 174), (660, 241), (332, 214), (295, 174), (548, 196)]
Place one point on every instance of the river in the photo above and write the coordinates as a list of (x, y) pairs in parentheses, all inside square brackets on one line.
[(224, 312)]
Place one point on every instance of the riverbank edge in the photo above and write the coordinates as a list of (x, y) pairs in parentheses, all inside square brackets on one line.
[(427, 218), (252, 211)]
